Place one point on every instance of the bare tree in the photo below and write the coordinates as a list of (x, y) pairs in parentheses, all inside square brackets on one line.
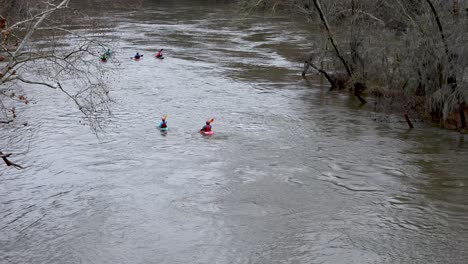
[(410, 54), (39, 49)]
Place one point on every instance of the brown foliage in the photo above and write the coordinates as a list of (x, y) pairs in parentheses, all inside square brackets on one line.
[(406, 50)]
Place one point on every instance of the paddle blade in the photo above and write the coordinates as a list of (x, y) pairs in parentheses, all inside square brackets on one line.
[(211, 120)]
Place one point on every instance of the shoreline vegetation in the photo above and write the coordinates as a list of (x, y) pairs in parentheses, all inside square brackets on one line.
[(410, 55), (34, 55)]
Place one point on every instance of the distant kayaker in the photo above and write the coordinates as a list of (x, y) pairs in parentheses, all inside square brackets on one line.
[(163, 123), (207, 127), (159, 54), (137, 56)]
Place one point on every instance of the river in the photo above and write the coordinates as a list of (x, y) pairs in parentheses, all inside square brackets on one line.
[(294, 173)]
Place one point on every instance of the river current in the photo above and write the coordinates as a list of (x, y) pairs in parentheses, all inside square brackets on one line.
[(294, 173)]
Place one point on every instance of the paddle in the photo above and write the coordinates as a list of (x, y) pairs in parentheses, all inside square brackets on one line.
[(133, 58)]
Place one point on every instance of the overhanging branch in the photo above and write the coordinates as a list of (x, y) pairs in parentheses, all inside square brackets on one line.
[(31, 82), (8, 162)]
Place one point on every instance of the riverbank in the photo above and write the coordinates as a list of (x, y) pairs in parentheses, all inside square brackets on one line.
[(399, 52), (295, 173)]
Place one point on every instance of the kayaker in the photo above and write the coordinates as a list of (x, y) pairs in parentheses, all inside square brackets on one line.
[(108, 52), (159, 54), (207, 127), (163, 123), (137, 56)]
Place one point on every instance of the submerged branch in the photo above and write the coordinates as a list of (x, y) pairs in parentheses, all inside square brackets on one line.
[(8, 162), (330, 79)]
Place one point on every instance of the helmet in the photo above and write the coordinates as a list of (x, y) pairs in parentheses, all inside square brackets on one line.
[(207, 122)]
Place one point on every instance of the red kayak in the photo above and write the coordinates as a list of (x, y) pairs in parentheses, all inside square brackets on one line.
[(207, 133)]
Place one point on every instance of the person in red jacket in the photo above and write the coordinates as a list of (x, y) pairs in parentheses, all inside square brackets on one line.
[(207, 127), (163, 123), (159, 54)]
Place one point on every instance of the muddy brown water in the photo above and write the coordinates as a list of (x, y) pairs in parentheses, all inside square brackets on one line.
[(293, 174)]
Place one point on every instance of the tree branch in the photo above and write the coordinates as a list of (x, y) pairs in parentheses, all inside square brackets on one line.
[(16, 77), (365, 13), (28, 35), (27, 20), (331, 37), (8, 162), (80, 107), (330, 79), (78, 35), (439, 25)]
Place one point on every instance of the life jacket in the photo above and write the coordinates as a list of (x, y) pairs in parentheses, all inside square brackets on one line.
[(159, 54), (207, 128), (163, 124)]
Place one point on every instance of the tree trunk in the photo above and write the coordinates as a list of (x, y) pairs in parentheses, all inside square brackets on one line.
[(335, 46), (331, 37), (452, 79), (408, 121), (456, 7), (462, 116), (439, 25), (353, 7)]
